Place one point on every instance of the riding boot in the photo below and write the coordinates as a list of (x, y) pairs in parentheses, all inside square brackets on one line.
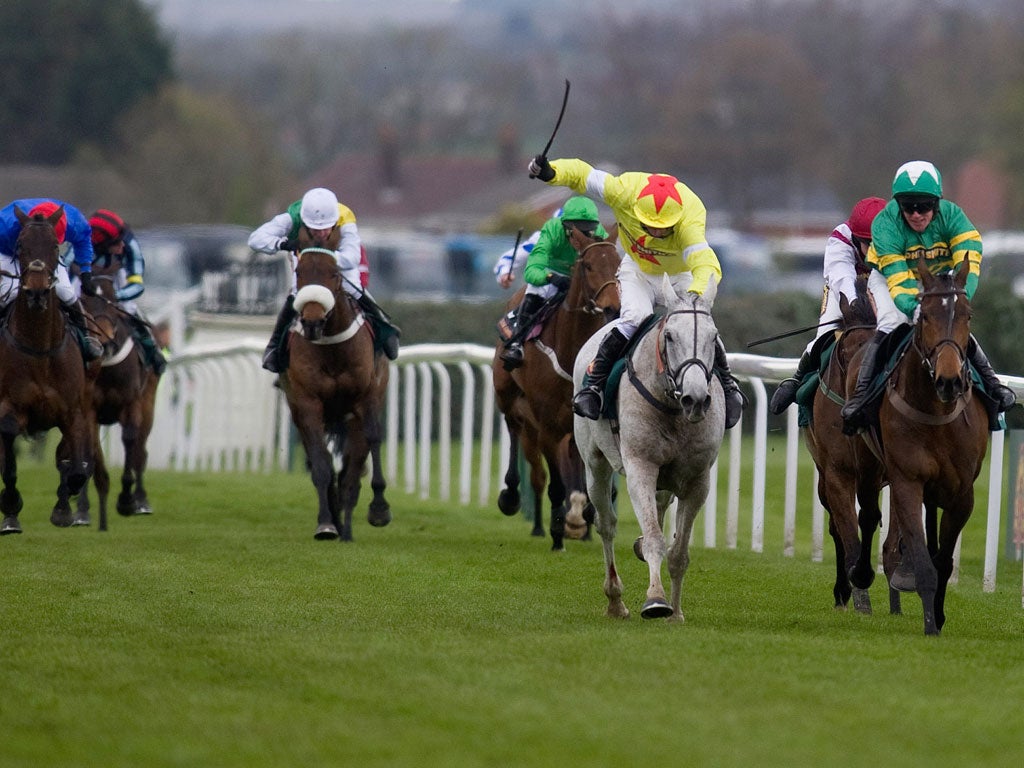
[(383, 325), (785, 395), (1003, 395), (589, 400), (734, 399), (853, 418), (92, 349), (512, 355), (152, 354), (275, 360)]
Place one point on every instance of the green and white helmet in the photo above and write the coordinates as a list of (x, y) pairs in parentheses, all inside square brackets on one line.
[(918, 178)]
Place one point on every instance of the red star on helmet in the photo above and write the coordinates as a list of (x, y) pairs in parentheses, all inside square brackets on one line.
[(661, 187)]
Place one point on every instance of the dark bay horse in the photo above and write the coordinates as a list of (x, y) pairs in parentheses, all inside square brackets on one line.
[(847, 469), (671, 420), (933, 435), (124, 394), (43, 382), (536, 398), (335, 386)]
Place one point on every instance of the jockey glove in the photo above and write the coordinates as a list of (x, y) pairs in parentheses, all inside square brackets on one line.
[(289, 244), (561, 282), (87, 287), (541, 169)]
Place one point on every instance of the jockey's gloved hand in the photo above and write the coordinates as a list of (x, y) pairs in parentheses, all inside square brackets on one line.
[(289, 244), (561, 282), (541, 169), (88, 289)]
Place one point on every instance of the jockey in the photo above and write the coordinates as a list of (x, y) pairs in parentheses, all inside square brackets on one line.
[(73, 235), (661, 228), (845, 259), (548, 267), (114, 243), (320, 213), (918, 222)]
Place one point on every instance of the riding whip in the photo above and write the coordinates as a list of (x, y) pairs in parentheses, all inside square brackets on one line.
[(561, 114), (790, 333)]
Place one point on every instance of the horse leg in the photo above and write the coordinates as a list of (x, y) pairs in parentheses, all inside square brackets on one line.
[(679, 552), (556, 498), (10, 498), (508, 499), (538, 479), (61, 515), (379, 514), (354, 456), (954, 518), (890, 561), (579, 513), (142, 505), (599, 484), (907, 498), (841, 588), (100, 478), (321, 470), (862, 575), (641, 481), (130, 440)]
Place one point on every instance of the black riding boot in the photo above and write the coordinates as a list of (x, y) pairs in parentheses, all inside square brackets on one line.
[(785, 395), (151, 353), (853, 418), (275, 360), (734, 399), (588, 401), (382, 324), (512, 355), (1003, 395), (92, 349)]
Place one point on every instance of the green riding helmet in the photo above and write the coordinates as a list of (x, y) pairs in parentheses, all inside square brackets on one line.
[(918, 178), (579, 208)]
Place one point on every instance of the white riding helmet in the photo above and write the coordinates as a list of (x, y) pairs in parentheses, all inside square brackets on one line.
[(319, 209)]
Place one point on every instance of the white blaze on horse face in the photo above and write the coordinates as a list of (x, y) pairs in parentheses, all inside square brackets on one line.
[(316, 294)]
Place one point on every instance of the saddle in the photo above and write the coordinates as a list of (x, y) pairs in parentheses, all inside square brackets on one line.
[(610, 409)]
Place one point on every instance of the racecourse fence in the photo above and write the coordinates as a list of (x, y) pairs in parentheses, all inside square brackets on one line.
[(217, 410)]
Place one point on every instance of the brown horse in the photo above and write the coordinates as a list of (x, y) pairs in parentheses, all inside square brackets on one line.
[(335, 386), (933, 435), (124, 394), (847, 469), (536, 398), (43, 382)]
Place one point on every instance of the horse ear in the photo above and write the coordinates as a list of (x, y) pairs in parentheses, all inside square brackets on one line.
[(613, 233), (962, 272), (669, 298), (923, 274), (54, 217), (844, 303), (22, 216)]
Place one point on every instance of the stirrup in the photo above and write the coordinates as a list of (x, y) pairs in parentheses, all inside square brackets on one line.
[(587, 403)]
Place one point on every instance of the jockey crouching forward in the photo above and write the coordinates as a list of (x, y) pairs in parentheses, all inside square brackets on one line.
[(74, 234), (320, 213), (662, 231), (115, 246), (548, 266), (918, 222)]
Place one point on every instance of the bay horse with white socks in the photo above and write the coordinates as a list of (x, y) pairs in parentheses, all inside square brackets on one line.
[(335, 386), (43, 382), (669, 428), (536, 398)]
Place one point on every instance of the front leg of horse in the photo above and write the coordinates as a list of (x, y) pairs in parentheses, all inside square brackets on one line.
[(508, 499), (10, 498), (321, 469), (640, 482), (679, 555), (556, 497), (906, 500), (599, 482)]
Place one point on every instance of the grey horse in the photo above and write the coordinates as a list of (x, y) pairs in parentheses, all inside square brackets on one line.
[(670, 422)]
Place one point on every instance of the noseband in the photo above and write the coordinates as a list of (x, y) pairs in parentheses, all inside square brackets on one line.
[(37, 266)]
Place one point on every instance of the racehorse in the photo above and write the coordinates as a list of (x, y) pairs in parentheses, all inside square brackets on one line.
[(536, 398), (933, 435), (670, 422), (335, 385), (124, 394), (43, 382), (847, 469)]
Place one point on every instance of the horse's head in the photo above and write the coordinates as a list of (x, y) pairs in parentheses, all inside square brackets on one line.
[(594, 288), (318, 280), (686, 349), (37, 251), (943, 329)]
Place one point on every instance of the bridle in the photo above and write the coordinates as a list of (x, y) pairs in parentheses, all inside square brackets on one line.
[(589, 304), (674, 376), (929, 356)]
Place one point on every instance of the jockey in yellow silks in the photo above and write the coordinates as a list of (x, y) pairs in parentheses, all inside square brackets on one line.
[(661, 226)]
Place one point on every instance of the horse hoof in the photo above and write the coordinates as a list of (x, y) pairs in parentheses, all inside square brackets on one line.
[(638, 549), (144, 509), (10, 525), (656, 608), (81, 520), (508, 502), (903, 580), (61, 519), (379, 516), (326, 533), (861, 601)]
